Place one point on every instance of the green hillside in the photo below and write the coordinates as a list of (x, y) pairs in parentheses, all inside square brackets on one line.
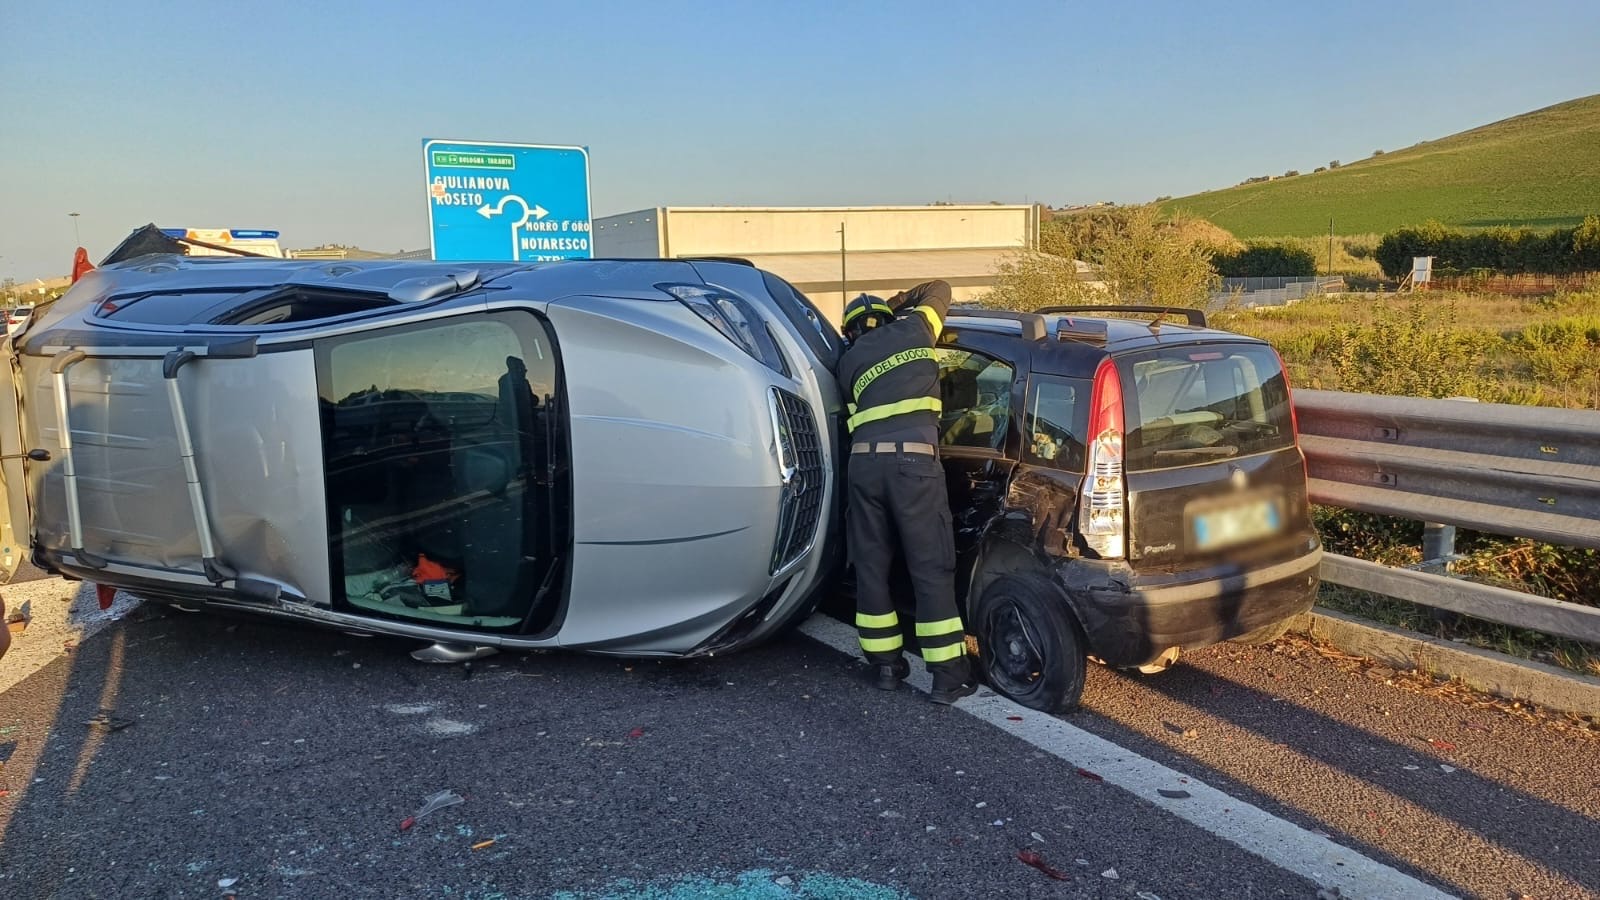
[(1540, 169)]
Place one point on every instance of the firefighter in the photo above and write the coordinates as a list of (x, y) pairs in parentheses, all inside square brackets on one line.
[(897, 497)]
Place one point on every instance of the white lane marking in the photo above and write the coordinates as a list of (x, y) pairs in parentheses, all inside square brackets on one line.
[(440, 727), (1278, 841)]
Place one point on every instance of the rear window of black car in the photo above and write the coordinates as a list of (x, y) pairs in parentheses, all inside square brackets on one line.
[(1203, 403)]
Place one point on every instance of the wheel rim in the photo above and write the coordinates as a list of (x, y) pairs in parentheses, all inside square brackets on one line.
[(1012, 658)]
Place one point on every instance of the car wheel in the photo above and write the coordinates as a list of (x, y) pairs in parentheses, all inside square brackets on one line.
[(1029, 646), (1264, 635)]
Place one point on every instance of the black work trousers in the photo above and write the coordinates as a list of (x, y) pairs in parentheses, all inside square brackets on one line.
[(898, 503)]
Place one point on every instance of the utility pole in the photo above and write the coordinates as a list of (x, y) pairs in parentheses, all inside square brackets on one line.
[(77, 238), (844, 289), (1330, 246)]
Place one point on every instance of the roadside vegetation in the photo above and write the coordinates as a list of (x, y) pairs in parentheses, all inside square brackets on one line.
[(1131, 255)]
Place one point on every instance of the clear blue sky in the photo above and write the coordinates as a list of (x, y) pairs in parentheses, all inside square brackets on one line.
[(308, 117)]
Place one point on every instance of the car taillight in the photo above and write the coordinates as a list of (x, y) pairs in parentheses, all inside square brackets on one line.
[(1288, 393), (1294, 417), (1103, 504)]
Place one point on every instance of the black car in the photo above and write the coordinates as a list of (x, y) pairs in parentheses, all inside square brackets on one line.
[(1123, 489)]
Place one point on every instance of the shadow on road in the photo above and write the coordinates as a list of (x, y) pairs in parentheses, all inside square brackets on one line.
[(1547, 834)]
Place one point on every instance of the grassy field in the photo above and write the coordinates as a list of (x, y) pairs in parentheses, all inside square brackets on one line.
[(1540, 169)]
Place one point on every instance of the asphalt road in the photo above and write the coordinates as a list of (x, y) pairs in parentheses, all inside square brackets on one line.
[(288, 759)]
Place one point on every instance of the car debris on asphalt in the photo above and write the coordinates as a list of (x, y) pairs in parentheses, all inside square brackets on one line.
[(107, 720), (430, 805), (1032, 858)]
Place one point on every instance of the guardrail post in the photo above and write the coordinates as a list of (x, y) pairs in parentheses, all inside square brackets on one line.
[(1438, 545), (1438, 552)]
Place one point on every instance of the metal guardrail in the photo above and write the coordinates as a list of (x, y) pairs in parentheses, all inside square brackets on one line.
[(1520, 471)]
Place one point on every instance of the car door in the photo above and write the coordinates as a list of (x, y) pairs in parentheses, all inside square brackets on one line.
[(978, 433)]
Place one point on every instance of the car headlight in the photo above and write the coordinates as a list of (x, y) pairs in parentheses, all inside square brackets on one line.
[(734, 318)]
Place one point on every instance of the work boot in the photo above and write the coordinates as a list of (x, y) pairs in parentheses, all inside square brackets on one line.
[(889, 675), (952, 682)]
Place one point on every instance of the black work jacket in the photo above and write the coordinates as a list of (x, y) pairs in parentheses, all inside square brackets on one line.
[(889, 375)]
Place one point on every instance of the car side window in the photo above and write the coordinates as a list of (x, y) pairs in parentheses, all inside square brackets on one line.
[(976, 393), (1054, 422), (433, 439)]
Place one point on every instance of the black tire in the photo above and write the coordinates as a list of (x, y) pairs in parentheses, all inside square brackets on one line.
[(1266, 634), (1029, 646)]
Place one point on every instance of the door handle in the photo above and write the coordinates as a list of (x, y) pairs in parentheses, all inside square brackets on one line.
[(35, 455)]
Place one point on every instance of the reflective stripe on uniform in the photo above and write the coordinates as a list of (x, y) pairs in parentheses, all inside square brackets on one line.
[(943, 654), (887, 620), (889, 410), (935, 629), (933, 319), (881, 645), (893, 362)]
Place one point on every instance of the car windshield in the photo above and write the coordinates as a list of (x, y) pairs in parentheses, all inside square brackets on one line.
[(1199, 404)]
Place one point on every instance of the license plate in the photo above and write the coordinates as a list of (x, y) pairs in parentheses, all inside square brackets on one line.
[(1237, 524)]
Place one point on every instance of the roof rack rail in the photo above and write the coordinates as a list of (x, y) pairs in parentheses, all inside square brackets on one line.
[(1196, 317), (1033, 326)]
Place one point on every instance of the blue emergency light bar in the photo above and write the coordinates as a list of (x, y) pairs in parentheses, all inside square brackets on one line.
[(239, 233)]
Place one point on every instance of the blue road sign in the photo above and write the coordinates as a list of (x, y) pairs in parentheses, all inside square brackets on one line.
[(511, 202)]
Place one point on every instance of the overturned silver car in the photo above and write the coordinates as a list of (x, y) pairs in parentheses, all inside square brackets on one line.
[(631, 457)]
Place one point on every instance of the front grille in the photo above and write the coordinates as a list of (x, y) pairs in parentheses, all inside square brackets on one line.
[(800, 457)]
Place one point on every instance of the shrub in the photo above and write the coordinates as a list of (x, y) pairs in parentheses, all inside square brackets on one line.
[(1291, 173), (1416, 351), (1563, 351), (1138, 256), (1334, 164), (1510, 251), (1263, 260), (1586, 245)]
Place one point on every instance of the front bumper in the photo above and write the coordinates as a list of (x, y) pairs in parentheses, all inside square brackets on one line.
[(1131, 619)]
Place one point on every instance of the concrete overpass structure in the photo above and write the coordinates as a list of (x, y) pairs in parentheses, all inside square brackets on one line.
[(834, 253)]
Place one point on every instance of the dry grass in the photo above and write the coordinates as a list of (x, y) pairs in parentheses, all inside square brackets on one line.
[(1535, 351)]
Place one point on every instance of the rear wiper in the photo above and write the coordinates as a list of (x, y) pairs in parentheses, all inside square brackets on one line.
[(1201, 451)]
